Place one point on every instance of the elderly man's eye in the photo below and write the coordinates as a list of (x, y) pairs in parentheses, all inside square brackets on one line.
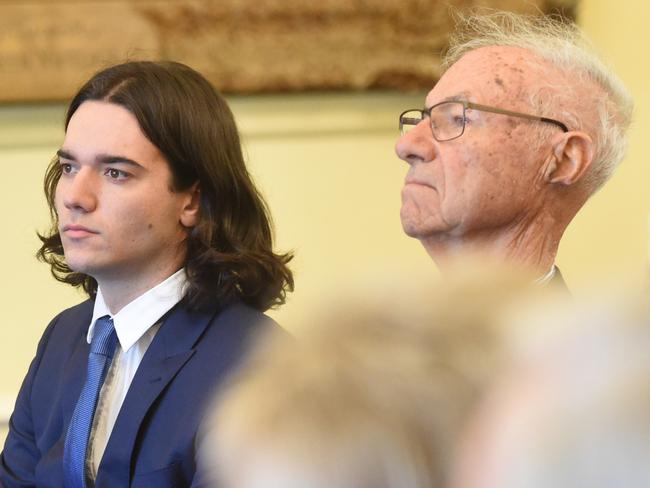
[(458, 120)]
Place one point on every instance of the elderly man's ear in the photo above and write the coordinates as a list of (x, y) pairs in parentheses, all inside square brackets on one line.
[(571, 157)]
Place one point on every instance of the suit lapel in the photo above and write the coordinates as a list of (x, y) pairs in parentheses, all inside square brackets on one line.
[(74, 372), (75, 377), (169, 351)]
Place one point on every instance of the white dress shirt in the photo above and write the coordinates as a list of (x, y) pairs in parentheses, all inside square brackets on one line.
[(543, 280), (136, 326)]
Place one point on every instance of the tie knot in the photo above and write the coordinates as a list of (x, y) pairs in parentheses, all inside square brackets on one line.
[(104, 337)]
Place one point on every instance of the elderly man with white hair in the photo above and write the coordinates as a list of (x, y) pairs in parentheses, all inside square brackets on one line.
[(523, 127)]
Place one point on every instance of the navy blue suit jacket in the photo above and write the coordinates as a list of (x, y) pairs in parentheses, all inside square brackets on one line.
[(153, 441)]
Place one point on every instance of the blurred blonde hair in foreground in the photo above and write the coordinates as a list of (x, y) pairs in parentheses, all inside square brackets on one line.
[(381, 394), (370, 396), (572, 409)]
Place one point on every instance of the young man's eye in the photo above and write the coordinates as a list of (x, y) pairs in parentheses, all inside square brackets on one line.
[(66, 168), (116, 174)]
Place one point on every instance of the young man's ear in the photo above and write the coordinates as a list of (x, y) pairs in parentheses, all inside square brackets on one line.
[(190, 212), (572, 155)]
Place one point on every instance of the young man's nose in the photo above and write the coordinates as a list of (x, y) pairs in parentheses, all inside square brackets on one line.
[(78, 191)]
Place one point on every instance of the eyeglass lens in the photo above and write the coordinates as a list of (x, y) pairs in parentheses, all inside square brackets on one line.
[(447, 120)]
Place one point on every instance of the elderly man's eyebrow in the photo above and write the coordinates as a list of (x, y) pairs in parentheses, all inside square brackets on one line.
[(459, 97)]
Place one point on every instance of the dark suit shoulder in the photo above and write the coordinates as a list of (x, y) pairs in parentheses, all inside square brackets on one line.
[(70, 324), (77, 312), (238, 324), (31, 455), (246, 316)]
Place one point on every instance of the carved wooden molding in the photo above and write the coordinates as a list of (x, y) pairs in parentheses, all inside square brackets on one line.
[(47, 49)]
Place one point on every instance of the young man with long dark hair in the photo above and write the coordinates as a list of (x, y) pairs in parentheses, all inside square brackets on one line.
[(155, 216)]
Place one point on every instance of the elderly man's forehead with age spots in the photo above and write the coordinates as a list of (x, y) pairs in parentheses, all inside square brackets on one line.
[(502, 74)]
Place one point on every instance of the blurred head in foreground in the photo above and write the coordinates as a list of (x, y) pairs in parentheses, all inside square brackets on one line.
[(370, 397), (573, 410)]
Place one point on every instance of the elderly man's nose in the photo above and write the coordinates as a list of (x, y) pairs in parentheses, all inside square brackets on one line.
[(417, 145)]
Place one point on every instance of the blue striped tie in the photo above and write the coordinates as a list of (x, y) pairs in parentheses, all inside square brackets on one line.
[(76, 441)]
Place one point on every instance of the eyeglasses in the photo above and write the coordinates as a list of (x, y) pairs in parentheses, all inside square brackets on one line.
[(448, 119)]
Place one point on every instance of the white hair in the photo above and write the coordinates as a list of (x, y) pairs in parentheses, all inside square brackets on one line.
[(562, 44)]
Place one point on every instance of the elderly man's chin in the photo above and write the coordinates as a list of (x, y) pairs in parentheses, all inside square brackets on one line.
[(420, 212), (421, 223)]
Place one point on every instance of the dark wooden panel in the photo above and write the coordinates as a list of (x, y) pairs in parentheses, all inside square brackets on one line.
[(48, 48)]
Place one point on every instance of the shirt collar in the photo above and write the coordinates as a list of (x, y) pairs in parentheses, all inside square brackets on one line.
[(140, 314), (543, 280)]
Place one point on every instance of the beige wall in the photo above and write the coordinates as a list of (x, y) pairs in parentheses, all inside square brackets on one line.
[(610, 236), (327, 168)]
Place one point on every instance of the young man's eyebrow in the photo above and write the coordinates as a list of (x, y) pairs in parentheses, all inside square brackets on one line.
[(62, 153), (101, 158), (113, 159)]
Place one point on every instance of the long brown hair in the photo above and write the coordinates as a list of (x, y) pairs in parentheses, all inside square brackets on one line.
[(230, 251)]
